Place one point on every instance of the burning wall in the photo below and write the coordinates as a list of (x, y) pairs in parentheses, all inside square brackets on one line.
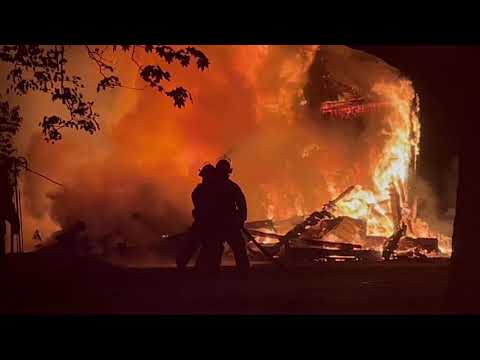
[(259, 105)]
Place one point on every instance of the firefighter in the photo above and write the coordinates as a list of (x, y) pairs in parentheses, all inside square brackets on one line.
[(231, 215), (7, 207), (203, 216)]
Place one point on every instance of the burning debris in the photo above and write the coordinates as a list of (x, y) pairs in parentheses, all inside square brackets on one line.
[(361, 222), (345, 101), (391, 244), (323, 236), (352, 107), (307, 237)]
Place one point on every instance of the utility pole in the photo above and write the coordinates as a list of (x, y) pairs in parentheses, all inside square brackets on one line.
[(16, 239)]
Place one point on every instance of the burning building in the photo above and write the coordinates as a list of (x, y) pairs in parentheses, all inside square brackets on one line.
[(300, 123), (383, 209)]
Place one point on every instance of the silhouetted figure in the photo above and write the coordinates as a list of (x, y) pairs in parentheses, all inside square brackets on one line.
[(7, 207), (203, 198), (231, 216)]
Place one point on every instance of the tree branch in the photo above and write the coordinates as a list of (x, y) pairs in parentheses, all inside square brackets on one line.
[(43, 68), (133, 58)]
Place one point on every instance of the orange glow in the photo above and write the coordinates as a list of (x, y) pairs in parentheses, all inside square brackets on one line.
[(250, 105)]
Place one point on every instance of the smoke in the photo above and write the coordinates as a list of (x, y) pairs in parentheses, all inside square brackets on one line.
[(439, 210), (64, 161), (259, 105)]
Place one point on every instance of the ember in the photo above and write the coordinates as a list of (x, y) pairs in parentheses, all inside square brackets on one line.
[(351, 108)]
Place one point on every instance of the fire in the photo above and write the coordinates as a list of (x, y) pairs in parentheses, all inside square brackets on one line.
[(394, 169), (393, 166), (253, 105), (351, 108)]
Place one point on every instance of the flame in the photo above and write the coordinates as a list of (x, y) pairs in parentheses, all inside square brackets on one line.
[(351, 108), (392, 166), (251, 105), (395, 167)]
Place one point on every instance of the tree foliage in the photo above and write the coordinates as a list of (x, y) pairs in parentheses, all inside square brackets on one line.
[(10, 122), (36, 68)]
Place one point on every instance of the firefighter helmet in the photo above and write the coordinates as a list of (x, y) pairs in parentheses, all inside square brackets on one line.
[(224, 166), (207, 171)]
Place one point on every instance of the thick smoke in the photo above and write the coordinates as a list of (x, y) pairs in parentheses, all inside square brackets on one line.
[(65, 161), (439, 219), (258, 105), (439, 211)]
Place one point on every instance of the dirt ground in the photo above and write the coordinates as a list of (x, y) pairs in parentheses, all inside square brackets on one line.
[(54, 282)]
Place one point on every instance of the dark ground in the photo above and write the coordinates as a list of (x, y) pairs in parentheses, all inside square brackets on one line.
[(53, 282)]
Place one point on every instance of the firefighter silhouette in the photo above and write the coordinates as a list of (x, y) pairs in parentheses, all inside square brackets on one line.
[(204, 216), (230, 215)]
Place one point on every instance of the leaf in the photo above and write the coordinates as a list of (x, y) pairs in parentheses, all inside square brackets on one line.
[(40, 68), (179, 96), (108, 82)]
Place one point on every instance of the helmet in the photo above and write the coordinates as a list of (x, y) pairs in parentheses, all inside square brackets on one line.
[(207, 171), (224, 167)]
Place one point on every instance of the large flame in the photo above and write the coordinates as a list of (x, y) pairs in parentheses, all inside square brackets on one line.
[(393, 165), (256, 104)]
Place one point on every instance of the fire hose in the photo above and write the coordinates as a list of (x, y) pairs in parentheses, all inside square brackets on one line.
[(311, 220), (251, 238)]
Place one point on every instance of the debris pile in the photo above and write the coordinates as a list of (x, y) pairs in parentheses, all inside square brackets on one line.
[(322, 237)]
